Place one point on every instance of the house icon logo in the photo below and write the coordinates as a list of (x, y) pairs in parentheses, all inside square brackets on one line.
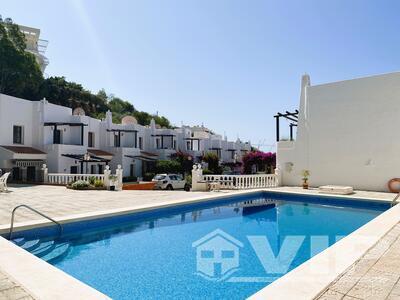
[(217, 255)]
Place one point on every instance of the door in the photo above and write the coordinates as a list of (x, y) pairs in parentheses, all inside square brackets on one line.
[(31, 173), (57, 136), (74, 170)]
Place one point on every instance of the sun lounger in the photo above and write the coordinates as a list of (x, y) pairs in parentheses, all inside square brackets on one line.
[(3, 182)]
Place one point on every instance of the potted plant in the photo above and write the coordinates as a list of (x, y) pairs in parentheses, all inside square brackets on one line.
[(305, 174), (113, 182)]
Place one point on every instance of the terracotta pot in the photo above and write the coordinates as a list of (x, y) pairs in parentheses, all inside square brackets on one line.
[(305, 185)]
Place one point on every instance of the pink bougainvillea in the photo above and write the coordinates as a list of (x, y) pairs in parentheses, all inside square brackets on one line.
[(262, 161)]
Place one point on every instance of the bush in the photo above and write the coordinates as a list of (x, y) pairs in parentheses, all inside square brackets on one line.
[(148, 176), (129, 179), (92, 180), (207, 172), (168, 166), (80, 185), (213, 162), (188, 179), (98, 183)]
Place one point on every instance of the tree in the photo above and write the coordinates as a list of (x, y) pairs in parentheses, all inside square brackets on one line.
[(185, 161), (62, 92), (20, 74), (168, 166), (213, 162)]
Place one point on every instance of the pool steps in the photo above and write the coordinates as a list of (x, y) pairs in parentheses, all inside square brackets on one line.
[(47, 250)]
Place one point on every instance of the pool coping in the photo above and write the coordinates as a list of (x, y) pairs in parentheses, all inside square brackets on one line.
[(50, 282)]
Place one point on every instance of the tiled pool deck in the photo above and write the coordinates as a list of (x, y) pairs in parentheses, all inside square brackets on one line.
[(375, 276)]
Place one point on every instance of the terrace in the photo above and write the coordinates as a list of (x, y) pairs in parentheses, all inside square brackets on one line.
[(359, 280)]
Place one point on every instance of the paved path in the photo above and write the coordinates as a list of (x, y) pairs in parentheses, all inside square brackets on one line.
[(57, 201), (375, 276)]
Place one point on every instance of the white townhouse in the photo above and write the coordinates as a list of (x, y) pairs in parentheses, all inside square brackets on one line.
[(346, 133), (36, 132), (33, 133)]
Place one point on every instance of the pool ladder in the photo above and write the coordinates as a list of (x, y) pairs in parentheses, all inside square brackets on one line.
[(394, 201), (35, 211)]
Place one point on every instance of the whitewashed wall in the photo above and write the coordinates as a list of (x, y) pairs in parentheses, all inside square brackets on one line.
[(347, 134)]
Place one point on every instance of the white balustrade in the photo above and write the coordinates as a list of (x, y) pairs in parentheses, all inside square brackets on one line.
[(64, 179), (243, 181)]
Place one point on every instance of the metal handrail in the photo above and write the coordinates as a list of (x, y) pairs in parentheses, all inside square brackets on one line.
[(36, 211), (395, 200)]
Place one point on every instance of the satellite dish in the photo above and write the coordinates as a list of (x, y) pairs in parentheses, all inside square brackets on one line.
[(78, 112), (127, 120)]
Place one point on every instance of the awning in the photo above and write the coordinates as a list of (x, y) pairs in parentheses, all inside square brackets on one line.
[(64, 124), (100, 153), (21, 152), (81, 158), (145, 156)]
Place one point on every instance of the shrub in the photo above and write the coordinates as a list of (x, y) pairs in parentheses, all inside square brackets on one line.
[(188, 179), (148, 176), (213, 162), (129, 179), (92, 179), (207, 172), (98, 183), (80, 185), (168, 166)]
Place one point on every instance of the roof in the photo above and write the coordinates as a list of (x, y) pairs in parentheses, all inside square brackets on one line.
[(148, 153), (215, 233), (23, 150), (99, 152), (64, 124)]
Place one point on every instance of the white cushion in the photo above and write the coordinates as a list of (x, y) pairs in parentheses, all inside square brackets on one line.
[(336, 189)]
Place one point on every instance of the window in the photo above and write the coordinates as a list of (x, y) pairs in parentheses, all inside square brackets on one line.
[(140, 143), (90, 139), (57, 136), (174, 147), (93, 169), (158, 143), (207, 254), (18, 134), (232, 154), (227, 254), (117, 141), (188, 146)]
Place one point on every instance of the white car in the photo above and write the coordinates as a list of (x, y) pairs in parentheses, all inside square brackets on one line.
[(169, 182)]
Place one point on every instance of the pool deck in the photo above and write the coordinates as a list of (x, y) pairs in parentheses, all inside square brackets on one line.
[(63, 204)]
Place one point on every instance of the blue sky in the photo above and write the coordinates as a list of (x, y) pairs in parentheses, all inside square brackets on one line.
[(228, 64)]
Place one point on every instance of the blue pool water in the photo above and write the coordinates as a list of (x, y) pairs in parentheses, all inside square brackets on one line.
[(151, 255)]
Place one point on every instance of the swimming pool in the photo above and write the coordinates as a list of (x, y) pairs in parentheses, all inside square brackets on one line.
[(215, 249)]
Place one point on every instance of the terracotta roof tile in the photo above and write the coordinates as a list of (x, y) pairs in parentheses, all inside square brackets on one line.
[(99, 152), (23, 150)]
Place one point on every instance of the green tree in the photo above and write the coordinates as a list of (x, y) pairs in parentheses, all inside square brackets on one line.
[(213, 162), (168, 166), (20, 74)]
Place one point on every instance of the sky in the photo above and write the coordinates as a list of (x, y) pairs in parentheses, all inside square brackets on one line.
[(230, 65)]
